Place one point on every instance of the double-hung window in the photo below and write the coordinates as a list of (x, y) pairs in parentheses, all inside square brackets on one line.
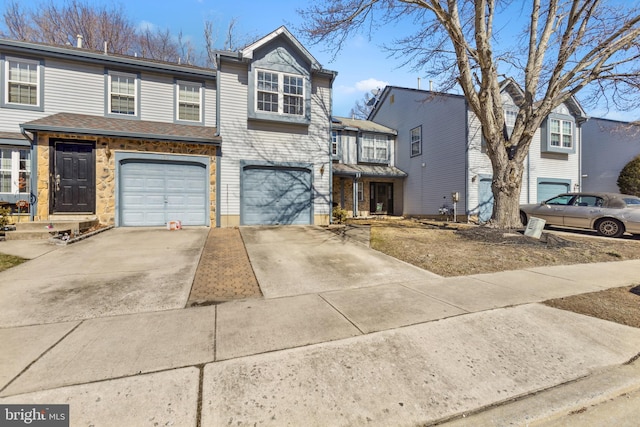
[(189, 101), (123, 94), (280, 93), (374, 148), (561, 133), (22, 85), (416, 141), (15, 171), (335, 144)]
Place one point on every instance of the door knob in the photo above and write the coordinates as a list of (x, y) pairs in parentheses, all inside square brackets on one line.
[(58, 182)]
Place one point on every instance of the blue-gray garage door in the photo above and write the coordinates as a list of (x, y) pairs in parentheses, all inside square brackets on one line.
[(275, 196), (155, 192), (551, 188)]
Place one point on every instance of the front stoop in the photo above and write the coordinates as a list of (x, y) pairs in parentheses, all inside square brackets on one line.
[(46, 229)]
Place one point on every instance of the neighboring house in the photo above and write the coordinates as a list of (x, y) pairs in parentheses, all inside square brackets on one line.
[(608, 145), (275, 120), (440, 147), (365, 180), (136, 142)]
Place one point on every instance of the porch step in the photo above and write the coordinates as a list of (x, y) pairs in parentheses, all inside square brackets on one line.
[(46, 229)]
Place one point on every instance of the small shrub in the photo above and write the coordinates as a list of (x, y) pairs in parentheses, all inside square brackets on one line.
[(5, 217), (339, 215), (629, 179)]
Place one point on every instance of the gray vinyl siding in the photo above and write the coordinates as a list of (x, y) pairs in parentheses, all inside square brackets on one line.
[(271, 142), (442, 119), (77, 87), (607, 147)]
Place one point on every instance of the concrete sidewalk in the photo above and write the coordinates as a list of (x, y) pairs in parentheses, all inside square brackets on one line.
[(407, 353)]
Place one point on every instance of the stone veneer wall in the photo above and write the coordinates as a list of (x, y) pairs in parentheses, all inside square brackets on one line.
[(105, 148)]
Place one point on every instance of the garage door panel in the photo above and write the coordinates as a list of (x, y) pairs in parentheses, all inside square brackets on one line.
[(152, 193), (276, 196), (547, 190)]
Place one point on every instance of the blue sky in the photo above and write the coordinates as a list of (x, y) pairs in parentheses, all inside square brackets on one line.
[(362, 65)]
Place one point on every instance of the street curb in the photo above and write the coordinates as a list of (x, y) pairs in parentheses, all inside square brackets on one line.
[(559, 401)]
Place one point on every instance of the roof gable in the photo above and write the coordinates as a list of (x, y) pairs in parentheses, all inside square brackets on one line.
[(283, 35)]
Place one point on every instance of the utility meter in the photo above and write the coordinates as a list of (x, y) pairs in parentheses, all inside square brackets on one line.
[(455, 197)]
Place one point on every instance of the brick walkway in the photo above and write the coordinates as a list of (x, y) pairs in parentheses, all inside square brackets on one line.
[(224, 272)]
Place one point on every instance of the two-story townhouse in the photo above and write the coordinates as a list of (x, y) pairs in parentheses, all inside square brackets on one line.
[(365, 179), (275, 118), (608, 145), (440, 146), (87, 134), (135, 142)]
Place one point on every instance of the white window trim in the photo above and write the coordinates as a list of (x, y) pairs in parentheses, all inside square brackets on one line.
[(360, 190), (135, 93), (15, 171), (377, 140), (335, 142), (280, 93), (200, 98), (418, 141), (7, 60), (561, 134)]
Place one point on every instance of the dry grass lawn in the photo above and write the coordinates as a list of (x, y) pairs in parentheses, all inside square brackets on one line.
[(460, 250)]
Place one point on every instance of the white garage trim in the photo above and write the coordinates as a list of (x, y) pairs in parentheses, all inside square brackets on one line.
[(276, 193), (152, 189)]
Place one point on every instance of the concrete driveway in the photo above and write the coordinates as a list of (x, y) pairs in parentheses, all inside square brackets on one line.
[(292, 260), (120, 271)]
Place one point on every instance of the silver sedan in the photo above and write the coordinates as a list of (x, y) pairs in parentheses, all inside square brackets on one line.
[(610, 214)]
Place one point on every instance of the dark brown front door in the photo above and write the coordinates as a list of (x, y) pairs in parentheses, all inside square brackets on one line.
[(381, 198), (73, 180)]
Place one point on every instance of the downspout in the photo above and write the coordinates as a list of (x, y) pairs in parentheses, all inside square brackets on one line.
[(466, 160), (219, 150), (34, 175), (356, 178), (333, 77)]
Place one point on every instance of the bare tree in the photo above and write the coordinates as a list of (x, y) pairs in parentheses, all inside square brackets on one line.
[(567, 46), (158, 44), (50, 23), (363, 107)]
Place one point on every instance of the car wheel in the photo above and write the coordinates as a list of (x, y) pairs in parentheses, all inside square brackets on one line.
[(610, 227), (523, 218)]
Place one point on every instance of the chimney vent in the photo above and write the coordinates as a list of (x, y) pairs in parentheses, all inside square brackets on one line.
[(79, 45)]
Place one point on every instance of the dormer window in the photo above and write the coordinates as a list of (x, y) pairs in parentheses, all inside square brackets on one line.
[(279, 93)]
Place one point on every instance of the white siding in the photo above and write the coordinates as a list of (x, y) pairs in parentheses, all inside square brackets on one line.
[(270, 141), (442, 119), (607, 147)]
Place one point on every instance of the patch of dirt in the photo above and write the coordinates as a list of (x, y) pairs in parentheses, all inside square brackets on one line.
[(460, 250)]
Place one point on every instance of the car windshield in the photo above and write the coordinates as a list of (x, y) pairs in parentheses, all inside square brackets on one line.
[(632, 201)]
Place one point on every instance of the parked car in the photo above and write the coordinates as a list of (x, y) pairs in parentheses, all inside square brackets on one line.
[(610, 214)]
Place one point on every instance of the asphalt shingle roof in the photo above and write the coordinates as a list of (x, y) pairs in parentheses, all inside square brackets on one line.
[(123, 128)]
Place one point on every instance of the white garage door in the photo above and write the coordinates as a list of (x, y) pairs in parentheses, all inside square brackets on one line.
[(276, 196), (155, 192)]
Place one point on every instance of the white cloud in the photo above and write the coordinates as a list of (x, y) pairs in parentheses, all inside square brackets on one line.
[(369, 84)]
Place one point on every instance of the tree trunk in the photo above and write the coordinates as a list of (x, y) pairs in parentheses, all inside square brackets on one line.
[(506, 186)]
